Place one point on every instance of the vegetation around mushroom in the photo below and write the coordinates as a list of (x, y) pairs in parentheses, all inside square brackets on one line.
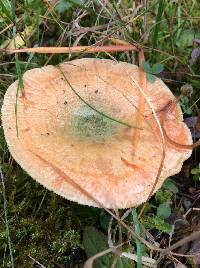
[(168, 33)]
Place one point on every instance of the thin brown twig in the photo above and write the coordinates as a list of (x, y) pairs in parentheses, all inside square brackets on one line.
[(178, 145), (6, 28), (141, 106), (143, 100), (36, 262), (191, 209), (168, 139), (78, 49), (185, 255), (89, 262), (193, 236)]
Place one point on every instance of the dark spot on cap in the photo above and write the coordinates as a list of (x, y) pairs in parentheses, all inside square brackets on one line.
[(27, 129), (96, 91)]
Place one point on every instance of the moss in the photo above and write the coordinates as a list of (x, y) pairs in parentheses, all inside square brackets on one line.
[(39, 221)]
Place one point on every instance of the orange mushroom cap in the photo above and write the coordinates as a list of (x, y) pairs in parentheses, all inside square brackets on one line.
[(77, 125)]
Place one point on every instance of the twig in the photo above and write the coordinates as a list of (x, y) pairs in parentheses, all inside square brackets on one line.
[(141, 106), (145, 260), (167, 138), (89, 262), (189, 210), (193, 236), (185, 255), (142, 87), (37, 262), (181, 146), (6, 28), (110, 243), (78, 49)]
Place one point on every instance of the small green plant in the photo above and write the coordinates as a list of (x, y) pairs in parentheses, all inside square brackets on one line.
[(95, 242), (152, 70), (63, 5), (155, 222), (163, 199), (184, 101), (196, 173)]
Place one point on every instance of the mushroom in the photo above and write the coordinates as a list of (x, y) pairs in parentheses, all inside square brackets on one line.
[(77, 129)]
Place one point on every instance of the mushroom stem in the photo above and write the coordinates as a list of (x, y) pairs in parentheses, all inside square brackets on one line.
[(77, 49)]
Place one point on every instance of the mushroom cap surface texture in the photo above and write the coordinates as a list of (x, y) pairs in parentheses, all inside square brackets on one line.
[(77, 126)]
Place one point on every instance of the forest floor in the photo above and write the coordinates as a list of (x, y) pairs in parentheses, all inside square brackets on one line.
[(41, 229)]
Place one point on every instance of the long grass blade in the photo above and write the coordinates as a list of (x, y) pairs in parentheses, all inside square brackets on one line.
[(93, 108), (6, 9), (138, 243), (158, 21), (20, 81), (6, 218)]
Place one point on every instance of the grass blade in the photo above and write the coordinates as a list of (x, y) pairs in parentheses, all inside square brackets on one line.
[(93, 108), (158, 21), (5, 5), (20, 80), (6, 218), (138, 243)]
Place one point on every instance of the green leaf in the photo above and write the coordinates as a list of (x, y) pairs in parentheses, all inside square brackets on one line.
[(146, 67), (170, 185), (104, 220), (151, 78), (195, 171), (163, 196), (157, 223), (157, 68), (184, 101), (124, 263), (164, 211), (186, 38), (196, 177), (62, 6), (94, 242), (83, 212), (5, 9)]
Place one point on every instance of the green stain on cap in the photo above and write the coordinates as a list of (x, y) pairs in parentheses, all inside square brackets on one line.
[(88, 125)]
